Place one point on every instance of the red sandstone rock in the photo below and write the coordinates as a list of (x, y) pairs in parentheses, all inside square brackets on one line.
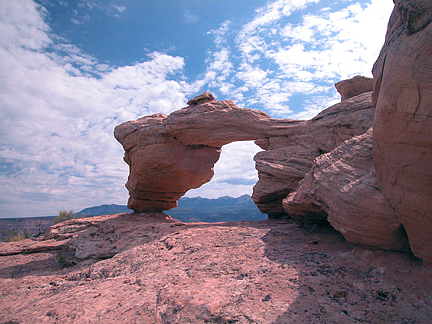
[(162, 169), (289, 157), (169, 155), (402, 139), (216, 123), (146, 268), (354, 86), (341, 188)]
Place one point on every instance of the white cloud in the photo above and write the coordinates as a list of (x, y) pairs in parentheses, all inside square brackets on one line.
[(189, 17), (252, 76), (235, 172), (59, 109), (59, 105), (220, 34), (275, 59), (333, 45), (120, 9)]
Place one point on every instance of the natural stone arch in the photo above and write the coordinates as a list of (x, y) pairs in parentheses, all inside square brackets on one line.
[(169, 155)]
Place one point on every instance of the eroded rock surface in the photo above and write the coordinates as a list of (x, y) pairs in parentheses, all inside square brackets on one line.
[(147, 268), (289, 156), (169, 155), (354, 86), (402, 139), (161, 168), (341, 188)]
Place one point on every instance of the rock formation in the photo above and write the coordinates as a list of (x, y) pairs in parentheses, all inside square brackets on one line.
[(162, 169), (169, 155), (396, 204), (353, 87), (289, 156), (341, 188), (402, 138)]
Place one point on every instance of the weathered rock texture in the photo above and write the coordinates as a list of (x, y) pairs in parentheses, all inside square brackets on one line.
[(169, 155), (353, 87), (289, 156), (402, 139), (341, 188), (147, 268), (162, 169)]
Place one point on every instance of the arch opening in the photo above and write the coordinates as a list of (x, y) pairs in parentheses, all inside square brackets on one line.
[(227, 196)]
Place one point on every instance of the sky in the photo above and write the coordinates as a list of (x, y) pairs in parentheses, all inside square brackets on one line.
[(70, 71)]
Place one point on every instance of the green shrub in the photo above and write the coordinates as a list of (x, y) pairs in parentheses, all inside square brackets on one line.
[(15, 236), (63, 260), (64, 215)]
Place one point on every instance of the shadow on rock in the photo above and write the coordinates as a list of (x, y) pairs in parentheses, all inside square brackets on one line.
[(339, 283)]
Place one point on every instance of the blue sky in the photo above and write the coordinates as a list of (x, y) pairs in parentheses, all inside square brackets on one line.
[(70, 71)]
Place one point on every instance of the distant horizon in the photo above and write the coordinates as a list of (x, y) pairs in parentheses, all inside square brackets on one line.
[(120, 205)]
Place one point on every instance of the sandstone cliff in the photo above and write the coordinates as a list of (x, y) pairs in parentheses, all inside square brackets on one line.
[(402, 138), (341, 188), (289, 156)]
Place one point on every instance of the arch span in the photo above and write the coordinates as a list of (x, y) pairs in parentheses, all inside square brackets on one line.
[(169, 155)]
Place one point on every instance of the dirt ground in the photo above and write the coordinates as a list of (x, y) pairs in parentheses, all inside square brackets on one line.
[(136, 268)]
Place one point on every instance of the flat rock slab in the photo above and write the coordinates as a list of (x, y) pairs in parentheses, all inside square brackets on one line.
[(165, 271)]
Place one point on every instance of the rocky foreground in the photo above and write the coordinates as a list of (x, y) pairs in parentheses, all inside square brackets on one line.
[(149, 268)]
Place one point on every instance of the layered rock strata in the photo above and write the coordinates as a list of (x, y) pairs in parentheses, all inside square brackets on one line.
[(341, 188), (169, 155), (289, 156), (402, 138)]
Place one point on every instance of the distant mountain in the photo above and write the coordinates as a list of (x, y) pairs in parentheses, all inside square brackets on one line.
[(104, 210), (223, 209), (196, 209)]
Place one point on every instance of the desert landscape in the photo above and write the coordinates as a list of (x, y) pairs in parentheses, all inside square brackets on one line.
[(148, 268), (348, 198)]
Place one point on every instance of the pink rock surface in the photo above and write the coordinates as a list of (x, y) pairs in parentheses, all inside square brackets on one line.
[(289, 156), (402, 139), (169, 155), (354, 86), (147, 268), (341, 188), (162, 169)]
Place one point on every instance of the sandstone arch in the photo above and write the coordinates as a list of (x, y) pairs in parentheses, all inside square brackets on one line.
[(169, 155)]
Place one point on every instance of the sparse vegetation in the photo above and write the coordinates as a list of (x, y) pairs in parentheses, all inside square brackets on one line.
[(63, 260), (64, 215), (15, 236)]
